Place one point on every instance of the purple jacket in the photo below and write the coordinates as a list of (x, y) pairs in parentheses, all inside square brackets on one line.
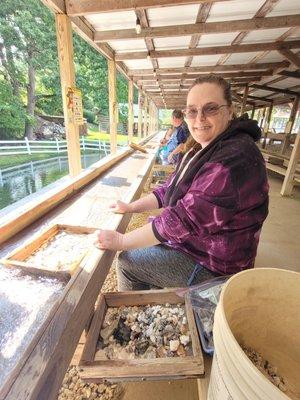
[(215, 208)]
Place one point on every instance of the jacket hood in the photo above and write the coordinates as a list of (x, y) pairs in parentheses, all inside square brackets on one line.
[(246, 125)]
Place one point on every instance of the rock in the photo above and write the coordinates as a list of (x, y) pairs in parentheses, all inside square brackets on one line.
[(174, 344), (122, 333), (181, 351), (184, 339), (109, 330)]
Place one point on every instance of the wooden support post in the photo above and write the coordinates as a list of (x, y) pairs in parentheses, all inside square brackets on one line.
[(288, 183), (252, 112), (140, 115), (267, 124), (113, 109), (262, 117), (244, 103), (67, 78), (289, 125), (145, 130), (130, 111)]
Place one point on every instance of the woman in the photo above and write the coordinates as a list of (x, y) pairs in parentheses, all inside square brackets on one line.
[(214, 204)]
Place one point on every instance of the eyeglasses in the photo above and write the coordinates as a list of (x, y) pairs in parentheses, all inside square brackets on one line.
[(207, 110)]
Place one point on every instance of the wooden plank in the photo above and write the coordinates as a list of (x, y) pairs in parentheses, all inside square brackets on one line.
[(244, 103), (242, 48), (288, 183), (89, 349), (145, 130), (293, 58), (67, 76), (140, 114), (211, 68), (135, 146), (113, 106), (130, 111), (49, 359), (194, 76), (199, 28), (197, 352), (143, 370), (143, 297), (77, 7), (290, 124)]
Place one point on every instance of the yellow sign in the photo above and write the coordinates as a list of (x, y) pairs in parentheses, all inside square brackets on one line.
[(74, 106)]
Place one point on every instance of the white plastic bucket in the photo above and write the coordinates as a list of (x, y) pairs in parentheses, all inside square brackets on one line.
[(259, 309)]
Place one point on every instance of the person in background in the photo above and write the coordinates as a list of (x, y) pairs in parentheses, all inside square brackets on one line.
[(173, 142), (214, 204)]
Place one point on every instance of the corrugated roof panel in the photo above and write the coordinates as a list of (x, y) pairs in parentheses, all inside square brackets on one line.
[(205, 60), (265, 35), (234, 10), (178, 42), (286, 83), (175, 15), (240, 58), (127, 45), (285, 7), (261, 93), (217, 39), (172, 62), (272, 56), (112, 21), (138, 64)]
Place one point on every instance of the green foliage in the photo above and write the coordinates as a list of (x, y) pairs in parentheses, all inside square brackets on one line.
[(12, 114), (90, 116), (28, 38)]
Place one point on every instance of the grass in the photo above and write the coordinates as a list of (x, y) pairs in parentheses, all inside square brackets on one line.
[(17, 159), (95, 134)]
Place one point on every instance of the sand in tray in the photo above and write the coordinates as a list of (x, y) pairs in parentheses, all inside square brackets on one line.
[(62, 251), (25, 302)]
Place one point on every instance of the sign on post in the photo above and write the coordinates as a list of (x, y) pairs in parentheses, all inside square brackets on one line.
[(74, 106)]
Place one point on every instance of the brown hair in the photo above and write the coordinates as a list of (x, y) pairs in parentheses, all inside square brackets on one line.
[(177, 114), (217, 80)]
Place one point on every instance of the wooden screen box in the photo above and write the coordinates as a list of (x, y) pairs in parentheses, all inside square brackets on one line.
[(114, 370), (23, 256)]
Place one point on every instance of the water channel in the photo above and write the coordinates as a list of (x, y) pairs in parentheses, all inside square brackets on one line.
[(22, 180)]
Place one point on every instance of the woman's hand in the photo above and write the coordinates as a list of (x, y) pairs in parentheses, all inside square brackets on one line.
[(110, 240), (120, 207)]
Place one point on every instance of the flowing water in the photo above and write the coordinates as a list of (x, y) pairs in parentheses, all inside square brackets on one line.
[(20, 181)]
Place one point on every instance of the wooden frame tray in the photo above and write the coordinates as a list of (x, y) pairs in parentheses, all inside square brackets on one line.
[(18, 256), (93, 370)]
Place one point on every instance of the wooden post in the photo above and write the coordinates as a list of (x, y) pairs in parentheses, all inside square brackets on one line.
[(67, 78), (244, 103), (262, 117), (288, 184), (252, 112), (289, 125), (130, 111), (267, 124), (113, 109), (145, 130), (140, 116)]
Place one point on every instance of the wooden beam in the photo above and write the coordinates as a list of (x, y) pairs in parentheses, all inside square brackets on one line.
[(288, 183), (194, 76), (200, 28), (77, 7), (145, 130), (113, 106), (267, 125), (273, 89), (211, 68), (293, 58), (67, 77), (246, 90), (242, 48), (289, 125), (290, 74), (140, 115), (130, 111), (263, 99)]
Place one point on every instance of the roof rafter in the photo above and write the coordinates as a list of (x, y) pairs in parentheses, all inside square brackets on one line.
[(276, 90), (243, 48), (200, 28)]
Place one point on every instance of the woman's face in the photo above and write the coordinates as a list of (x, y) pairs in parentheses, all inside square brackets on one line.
[(204, 128)]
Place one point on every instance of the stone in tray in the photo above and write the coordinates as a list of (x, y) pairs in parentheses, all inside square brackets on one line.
[(156, 331), (62, 251)]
